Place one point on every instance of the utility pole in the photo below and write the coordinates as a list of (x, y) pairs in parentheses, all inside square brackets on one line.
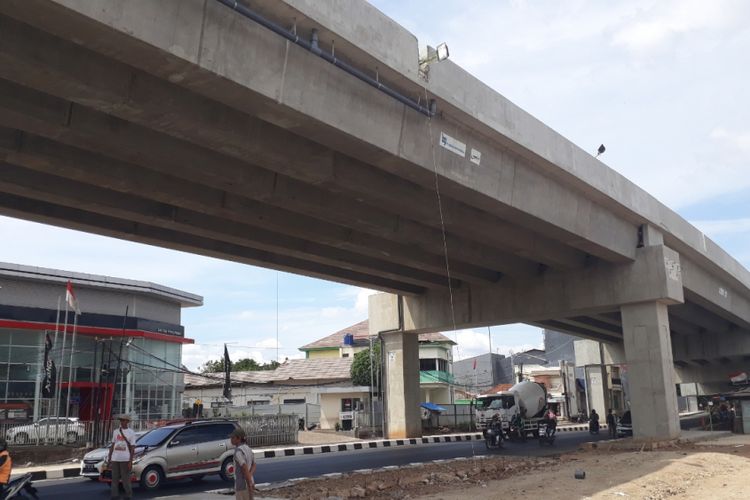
[(372, 391)]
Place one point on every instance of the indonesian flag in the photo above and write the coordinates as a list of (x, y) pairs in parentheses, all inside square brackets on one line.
[(70, 298), (738, 377)]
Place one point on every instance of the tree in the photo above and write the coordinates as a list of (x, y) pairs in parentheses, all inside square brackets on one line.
[(212, 366), (241, 365), (360, 370)]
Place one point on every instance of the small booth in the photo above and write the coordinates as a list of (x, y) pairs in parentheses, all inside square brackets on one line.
[(431, 415)]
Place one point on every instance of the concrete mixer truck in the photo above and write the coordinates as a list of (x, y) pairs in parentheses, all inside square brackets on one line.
[(526, 399)]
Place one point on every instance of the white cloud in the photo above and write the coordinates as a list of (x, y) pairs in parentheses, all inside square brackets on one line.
[(361, 304), (269, 343), (661, 21), (516, 338), (715, 228), (733, 139)]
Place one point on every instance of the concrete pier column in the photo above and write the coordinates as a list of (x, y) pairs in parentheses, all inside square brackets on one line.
[(648, 351), (401, 351), (597, 388)]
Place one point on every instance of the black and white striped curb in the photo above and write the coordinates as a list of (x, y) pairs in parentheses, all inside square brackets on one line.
[(365, 445), (569, 428), (40, 475)]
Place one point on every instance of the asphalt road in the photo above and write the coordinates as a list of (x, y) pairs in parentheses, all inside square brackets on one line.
[(280, 469)]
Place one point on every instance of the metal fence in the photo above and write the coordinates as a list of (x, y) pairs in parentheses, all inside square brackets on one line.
[(270, 430), (455, 417), (262, 430)]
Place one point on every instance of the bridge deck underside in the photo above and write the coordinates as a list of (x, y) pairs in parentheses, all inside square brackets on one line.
[(88, 142)]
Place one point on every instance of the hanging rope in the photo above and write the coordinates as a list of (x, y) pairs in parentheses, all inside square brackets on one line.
[(442, 226)]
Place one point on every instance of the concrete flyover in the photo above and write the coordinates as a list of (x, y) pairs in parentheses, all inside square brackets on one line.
[(189, 125)]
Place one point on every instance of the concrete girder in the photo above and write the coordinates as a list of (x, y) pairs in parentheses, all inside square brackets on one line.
[(175, 111), (698, 316), (46, 156), (575, 330), (72, 218), (715, 295), (612, 319), (400, 228), (682, 327), (61, 191), (593, 325), (709, 345), (654, 276), (576, 221)]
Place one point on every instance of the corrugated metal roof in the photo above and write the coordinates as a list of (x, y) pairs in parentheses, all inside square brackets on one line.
[(326, 369), (361, 333)]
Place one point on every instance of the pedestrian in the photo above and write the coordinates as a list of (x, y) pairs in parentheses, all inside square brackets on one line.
[(120, 458), (612, 424), (244, 466), (6, 465)]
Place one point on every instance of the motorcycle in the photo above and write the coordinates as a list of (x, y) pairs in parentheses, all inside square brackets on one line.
[(19, 488), (546, 433), (493, 435), (594, 427)]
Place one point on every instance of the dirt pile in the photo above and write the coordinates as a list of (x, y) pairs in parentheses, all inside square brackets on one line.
[(414, 481), (684, 472)]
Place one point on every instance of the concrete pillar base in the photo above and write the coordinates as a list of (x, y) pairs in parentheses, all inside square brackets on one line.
[(648, 349), (403, 418)]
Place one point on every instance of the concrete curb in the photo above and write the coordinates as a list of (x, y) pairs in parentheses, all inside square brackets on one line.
[(365, 445), (584, 427), (40, 475)]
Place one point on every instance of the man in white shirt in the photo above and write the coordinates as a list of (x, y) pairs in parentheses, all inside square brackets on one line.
[(121, 458), (244, 466)]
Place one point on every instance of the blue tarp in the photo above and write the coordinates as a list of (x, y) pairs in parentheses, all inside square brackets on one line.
[(432, 407)]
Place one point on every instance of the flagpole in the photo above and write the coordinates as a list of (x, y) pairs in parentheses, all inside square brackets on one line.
[(70, 365), (62, 370), (54, 398)]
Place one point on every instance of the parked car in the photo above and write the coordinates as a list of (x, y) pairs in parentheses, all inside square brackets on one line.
[(182, 450), (625, 425), (61, 429), (93, 461)]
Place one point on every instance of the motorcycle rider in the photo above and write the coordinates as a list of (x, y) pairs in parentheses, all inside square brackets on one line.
[(550, 418), (497, 428), (594, 422), (6, 464)]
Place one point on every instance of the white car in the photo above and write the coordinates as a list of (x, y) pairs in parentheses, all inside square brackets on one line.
[(93, 461), (61, 429)]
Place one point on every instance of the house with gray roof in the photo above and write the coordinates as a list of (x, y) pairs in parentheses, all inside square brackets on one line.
[(324, 377)]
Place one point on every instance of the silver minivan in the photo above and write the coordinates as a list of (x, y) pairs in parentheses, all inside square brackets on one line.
[(184, 450)]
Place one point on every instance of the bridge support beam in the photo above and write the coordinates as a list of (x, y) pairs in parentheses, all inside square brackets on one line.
[(401, 352), (648, 351)]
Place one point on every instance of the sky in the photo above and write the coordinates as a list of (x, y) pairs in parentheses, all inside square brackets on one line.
[(665, 85)]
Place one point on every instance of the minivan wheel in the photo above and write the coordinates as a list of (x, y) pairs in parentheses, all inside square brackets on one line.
[(152, 477), (227, 469)]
